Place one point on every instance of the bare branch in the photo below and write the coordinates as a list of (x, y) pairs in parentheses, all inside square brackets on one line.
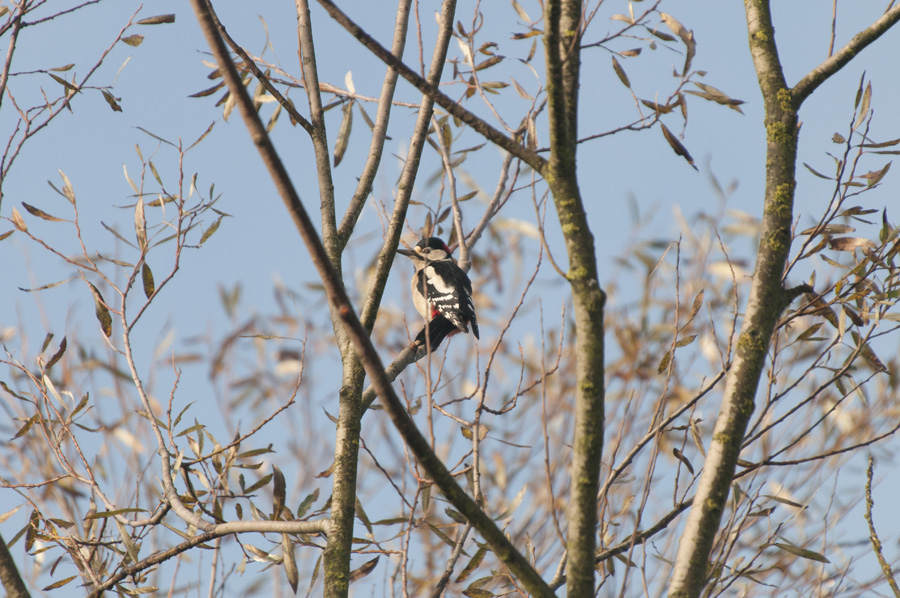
[(451, 106), (835, 62), (498, 541)]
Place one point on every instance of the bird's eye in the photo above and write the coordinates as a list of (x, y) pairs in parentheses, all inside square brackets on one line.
[(426, 250)]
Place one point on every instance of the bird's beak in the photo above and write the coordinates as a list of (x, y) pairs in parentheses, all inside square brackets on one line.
[(406, 252)]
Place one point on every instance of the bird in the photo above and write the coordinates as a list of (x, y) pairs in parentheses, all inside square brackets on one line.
[(441, 292)]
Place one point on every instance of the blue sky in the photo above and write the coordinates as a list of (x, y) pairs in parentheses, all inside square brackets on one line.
[(258, 247)]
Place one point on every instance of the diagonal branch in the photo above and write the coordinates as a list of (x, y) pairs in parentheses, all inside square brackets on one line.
[(410, 169), (487, 131), (813, 79), (340, 302), (379, 132)]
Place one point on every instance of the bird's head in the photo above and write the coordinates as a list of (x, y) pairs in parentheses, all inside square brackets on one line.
[(429, 249)]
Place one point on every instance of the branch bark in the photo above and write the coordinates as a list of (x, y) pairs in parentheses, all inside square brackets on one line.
[(562, 35), (517, 564), (768, 298), (528, 156), (811, 81)]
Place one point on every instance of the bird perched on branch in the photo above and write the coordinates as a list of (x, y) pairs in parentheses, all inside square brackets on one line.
[(441, 292)]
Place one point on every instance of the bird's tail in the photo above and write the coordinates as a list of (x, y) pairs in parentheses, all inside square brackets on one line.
[(438, 329)]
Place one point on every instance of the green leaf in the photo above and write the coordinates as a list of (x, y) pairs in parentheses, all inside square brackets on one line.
[(112, 100), (290, 562), (101, 311), (864, 108), (63, 82), (24, 429), (472, 565), (134, 40), (210, 231), (278, 493), (364, 570), (664, 362), (677, 146), (684, 342), (620, 72), (147, 280), (59, 583), (58, 355), (513, 505), (307, 503), (105, 514), (158, 20), (261, 483), (802, 552)]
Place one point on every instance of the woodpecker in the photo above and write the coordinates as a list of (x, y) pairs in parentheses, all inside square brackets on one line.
[(441, 291)]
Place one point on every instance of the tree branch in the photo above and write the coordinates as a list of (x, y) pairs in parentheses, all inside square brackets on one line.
[(813, 79), (408, 176), (379, 132), (560, 45), (318, 136), (487, 131), (337, 296), (764, 306)]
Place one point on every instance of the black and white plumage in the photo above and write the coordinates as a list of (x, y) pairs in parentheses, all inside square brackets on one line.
[(441, 291)]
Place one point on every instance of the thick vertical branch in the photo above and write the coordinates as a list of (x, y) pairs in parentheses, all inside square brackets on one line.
[(767, 296), (336, 559), (562, 41), (766, 301)]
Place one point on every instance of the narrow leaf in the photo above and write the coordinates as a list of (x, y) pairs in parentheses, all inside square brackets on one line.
[(864, 108), (472, 565), (802, 552), (157, 20), (851, 243), (59, 583), (676, 145), (17, 220), (290, 562), (147, 280), (521, 12), (209, 231), (101, 311), (140, 224), (664, 362), (343, 137), (112, 100), (684, 342), (278, 492), (58, 355), (513, 505), (680, 456), (24, 429), (41, 214), (620, 72), (364, 570)]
